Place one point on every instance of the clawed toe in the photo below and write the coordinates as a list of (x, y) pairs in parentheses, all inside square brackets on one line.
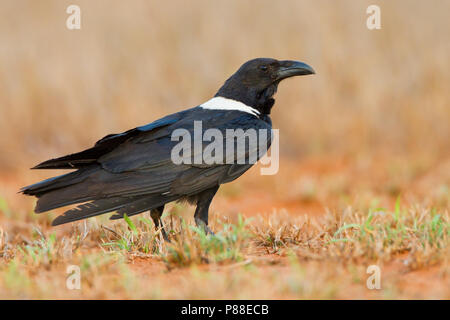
[(208, 230), (164, 234)]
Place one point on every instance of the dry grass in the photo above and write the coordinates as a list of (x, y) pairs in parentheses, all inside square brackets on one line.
[(277, 252), (369, 128)]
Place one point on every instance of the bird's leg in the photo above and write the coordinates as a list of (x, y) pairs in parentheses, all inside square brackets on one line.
[(156, 217), (201, 212)]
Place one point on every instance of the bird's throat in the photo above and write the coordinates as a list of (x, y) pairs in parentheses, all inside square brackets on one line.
[(262, 101)]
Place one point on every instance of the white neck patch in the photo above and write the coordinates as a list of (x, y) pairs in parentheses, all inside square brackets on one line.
[(221, 103)]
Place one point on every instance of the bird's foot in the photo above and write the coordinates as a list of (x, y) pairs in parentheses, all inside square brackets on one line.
[(162, 230), (201, 223), (164, 234), (208, 230)]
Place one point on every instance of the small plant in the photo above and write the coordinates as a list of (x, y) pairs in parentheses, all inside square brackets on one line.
[(193, 246), (140, 238), (43, 250), (275, 234)]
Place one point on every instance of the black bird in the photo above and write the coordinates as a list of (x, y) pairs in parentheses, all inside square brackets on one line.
[(132, 172)]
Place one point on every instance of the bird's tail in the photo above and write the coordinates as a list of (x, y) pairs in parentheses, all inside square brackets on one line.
[(60, 191), (123, 205), (76, 187)]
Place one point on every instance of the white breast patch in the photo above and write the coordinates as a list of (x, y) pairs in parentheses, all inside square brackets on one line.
[(221, 103)]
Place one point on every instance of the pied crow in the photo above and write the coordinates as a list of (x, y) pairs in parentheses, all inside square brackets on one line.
[(134, 171)]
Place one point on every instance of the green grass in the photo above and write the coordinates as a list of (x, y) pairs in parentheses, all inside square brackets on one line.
[(192, 245), (189, 244)]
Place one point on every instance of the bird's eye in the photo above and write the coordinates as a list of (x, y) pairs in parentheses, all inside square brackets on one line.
[(263, 68)]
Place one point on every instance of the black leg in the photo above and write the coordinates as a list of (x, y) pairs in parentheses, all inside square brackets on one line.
[(201, 212), (156, 217)]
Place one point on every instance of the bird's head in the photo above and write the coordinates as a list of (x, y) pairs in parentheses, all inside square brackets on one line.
[(257, 81)]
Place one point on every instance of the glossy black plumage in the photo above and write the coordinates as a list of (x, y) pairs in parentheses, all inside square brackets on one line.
[(133, 172)]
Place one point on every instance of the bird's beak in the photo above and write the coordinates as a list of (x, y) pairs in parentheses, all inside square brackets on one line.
[(290, 68)]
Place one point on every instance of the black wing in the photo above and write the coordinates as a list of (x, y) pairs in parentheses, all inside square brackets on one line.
[(137, 173)]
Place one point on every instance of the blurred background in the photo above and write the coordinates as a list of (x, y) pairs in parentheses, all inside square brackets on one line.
[(370, 126)]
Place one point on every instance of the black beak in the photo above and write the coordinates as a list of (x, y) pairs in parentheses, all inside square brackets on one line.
[(290, 68)]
